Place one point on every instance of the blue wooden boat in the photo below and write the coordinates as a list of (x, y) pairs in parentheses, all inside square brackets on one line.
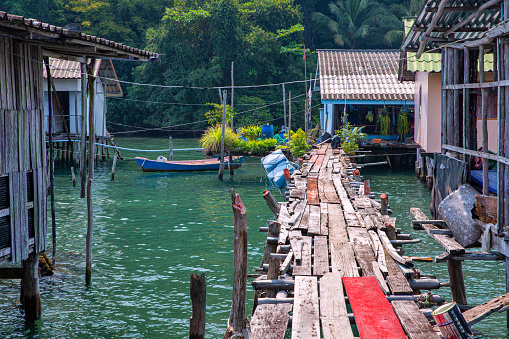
[(163, 165)]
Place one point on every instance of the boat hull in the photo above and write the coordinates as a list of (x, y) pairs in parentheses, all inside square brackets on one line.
[(148, 165)]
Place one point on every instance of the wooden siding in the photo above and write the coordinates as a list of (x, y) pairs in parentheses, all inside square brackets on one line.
[(22, 146)]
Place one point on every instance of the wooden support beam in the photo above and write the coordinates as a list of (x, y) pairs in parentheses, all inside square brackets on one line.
[(469, 18), (199, 302), (457, 281), (83, 129), (30, 293)]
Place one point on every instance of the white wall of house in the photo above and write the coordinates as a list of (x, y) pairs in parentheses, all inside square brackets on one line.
[(427, 104), (73, 86)]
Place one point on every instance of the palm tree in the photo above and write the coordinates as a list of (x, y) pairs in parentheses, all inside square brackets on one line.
[(353, 21)]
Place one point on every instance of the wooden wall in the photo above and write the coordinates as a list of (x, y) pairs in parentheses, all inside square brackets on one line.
[(22, 147)]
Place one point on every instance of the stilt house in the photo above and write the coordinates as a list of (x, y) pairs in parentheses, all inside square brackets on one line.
[(364, 84), (25, 45)]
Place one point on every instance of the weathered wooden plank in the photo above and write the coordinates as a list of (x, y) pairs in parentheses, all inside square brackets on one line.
[(3, 80), (373, 314), (480, 312), (379, 252), (414, 322), (395, 279), (365, 258), (37, 240), (15, 217), (303, 266), (11, 136), (303, 222), (270, 321), (306, 321), (23, 140), (321, 256), (10, 74), (333, 312), (343, 258), (337, 224), (380, 278), (318, 164), (273, 231), (19, 77), (295, 238), (358, 236), (312, 191), (348, 210), (324, 219), (314, 220), (42, 215), (392, 252), (3, 153), (23, 213), (362, 201), (299, 193), (32, 138)]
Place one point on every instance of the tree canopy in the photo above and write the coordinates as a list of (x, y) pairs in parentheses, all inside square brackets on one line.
[(200, 39)]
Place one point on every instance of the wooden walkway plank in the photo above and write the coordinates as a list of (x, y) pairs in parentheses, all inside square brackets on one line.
[(396, 280), (337, 224), (365, 258), (312, 191), (413, 321), (321, 256), (303, 266), (333, 312), (343, 258), (318, 164), (270, 321), (478, 313), (324, 219), (358, 235), (314, 220), (306, 319), (303, 222), (348, 209), (373, 314)]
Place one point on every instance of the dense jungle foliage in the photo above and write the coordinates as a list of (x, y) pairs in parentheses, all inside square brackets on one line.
[(199, 39)]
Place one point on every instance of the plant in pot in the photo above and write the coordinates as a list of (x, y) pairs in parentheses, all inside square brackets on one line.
[(351, 137)]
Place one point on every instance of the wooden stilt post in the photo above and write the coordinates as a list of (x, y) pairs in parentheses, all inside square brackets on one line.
[(484, 105), (501, 114), (199, 300), (238, 311), (444, 100), (466, 108), (114, 166), (230, 163), (384, 204), (73, 177), (51, 158), (457, 282), (171, 149), (289, 116), (221, 166), (273, 274), (83, 143), (91, 150), (284, 110), (30, 292), (271, 202), (231, 105)]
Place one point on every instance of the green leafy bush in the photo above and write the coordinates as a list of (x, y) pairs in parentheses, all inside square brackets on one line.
[(350, 136), (255, 147), (215, 115), (211, 139), (251, 132), (297, 144)]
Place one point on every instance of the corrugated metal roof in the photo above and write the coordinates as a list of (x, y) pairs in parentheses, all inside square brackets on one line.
[(455, 11), (361, 75)]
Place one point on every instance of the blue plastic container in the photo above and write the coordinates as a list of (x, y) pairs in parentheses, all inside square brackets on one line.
[(267, 131)]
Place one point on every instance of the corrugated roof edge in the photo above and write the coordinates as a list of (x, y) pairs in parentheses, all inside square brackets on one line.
[(36, 24)]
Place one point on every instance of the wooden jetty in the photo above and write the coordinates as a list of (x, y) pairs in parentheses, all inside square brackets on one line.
[(329, 248)]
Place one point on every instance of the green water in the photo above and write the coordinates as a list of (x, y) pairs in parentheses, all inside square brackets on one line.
[(153, 230), (483, 280)]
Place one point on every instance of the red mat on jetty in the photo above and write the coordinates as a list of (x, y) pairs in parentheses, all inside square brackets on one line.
[(373, 314)]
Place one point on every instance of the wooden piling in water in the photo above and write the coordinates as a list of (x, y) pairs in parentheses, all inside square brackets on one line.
[(271, 202), (237, 318), (114, 166), (199, 301), (83, 142), (91, 149), (221, 161), (73, 177), (30, 293)]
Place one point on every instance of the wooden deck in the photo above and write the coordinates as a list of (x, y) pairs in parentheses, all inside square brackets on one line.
[(331, 237)]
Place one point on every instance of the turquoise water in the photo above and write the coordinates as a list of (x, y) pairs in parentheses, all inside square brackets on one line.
[(483, 280), (152, 230)]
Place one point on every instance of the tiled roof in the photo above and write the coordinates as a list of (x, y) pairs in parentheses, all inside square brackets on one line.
[(361, 75), (64, 69), (67, 41)]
